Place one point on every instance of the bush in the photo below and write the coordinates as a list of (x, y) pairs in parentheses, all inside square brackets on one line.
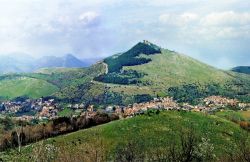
[(245, 125)]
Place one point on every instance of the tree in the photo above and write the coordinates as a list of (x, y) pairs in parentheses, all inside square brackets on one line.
[(130, 152), (186, 151), (18, 136)]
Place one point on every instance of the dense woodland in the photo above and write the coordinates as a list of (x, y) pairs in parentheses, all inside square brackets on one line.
[(126, 77), (131, 57)]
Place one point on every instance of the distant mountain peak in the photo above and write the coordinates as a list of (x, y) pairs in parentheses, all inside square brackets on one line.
[(69, 55), (242, 69)]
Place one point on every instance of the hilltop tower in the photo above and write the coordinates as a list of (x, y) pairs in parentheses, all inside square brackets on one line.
[(146, 42)]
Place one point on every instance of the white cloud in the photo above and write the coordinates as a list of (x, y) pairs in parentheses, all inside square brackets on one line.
[(178, 20), (226, 18), (89, 18), (208, 27), (26, 25)]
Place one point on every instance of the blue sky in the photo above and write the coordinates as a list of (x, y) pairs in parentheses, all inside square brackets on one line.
[(216, 31)]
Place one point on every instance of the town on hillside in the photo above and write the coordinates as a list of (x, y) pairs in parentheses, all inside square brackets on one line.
[(48, 109)]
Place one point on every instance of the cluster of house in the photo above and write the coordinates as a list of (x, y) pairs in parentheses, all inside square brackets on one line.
[(219, 101), (211, 104), (48, 109), (139, 108), (42, 108)]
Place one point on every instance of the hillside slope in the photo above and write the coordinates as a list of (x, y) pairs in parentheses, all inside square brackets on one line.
[(148, 135), (24, 86), (149, 69), (159, 66), (170, 68)]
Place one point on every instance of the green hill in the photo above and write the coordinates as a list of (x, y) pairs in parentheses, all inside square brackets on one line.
[(24, 86), (162, 68), (148, 69), (146, 136), (144, 71), (65, 83)]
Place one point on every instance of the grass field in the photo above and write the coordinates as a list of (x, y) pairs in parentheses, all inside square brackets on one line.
[(149, 132), (171, 69), (34, 88), (66, 112), (235, 115)]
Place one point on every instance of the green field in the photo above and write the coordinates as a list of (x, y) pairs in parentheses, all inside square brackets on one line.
[(61, 82), (174, 69), (66, 112), (235, 115), (20, 86), (149, 133)]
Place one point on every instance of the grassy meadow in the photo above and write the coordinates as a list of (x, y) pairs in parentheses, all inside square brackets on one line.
[(31, 87)]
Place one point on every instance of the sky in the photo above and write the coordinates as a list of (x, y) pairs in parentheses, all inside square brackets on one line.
[(216, 32)]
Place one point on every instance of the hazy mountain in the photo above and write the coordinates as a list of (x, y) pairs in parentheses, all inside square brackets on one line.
[(242, 69), (13, 63), (66, 61), (19, 63)]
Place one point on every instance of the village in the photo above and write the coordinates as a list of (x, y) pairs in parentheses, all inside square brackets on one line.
[(42, 109), (38, 108), (209, 105)]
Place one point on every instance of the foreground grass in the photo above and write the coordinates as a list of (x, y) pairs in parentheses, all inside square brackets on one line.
[(148, 132)]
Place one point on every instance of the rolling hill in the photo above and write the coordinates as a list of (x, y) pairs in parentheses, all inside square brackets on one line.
[(137, 75), (149, 69), (12, 87), (164, 67), (151, 136), (144, 71)]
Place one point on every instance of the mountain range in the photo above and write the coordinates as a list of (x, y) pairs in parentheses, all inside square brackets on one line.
[(137, 75), (20, 63)]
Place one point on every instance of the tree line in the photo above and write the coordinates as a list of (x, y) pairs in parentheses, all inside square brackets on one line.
[(22, 134)]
